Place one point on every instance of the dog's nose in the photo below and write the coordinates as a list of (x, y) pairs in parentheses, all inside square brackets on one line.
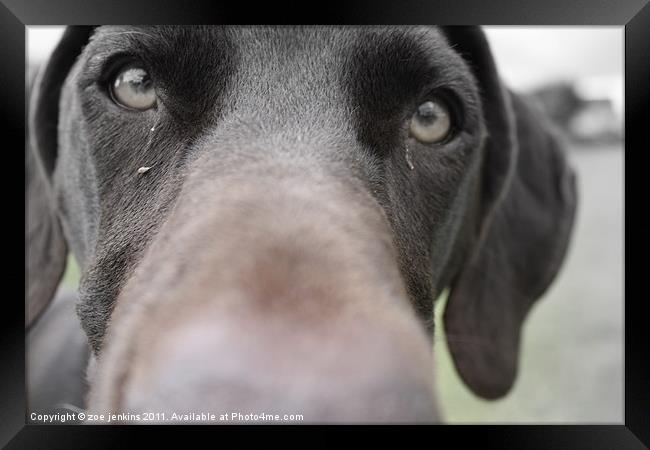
[(251, 369)]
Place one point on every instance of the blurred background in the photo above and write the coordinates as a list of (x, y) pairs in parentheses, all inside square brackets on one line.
[(571, 368)]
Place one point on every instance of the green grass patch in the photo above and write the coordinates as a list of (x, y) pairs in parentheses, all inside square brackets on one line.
[(72, 273)]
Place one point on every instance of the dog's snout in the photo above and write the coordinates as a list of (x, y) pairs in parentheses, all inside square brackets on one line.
[(284, 298)]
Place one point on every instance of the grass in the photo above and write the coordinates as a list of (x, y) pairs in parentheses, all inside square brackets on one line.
[(72, 273)]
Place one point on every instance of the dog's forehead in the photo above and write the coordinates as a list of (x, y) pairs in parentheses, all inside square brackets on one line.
[(311, 42)]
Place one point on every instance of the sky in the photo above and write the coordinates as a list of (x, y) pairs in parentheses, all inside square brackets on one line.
[(526, 56)]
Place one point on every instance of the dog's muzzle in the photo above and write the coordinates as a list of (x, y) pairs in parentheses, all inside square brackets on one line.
[(268, 292)]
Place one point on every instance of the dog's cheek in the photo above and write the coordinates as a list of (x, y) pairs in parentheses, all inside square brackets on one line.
[(75, 178), (427, 206)]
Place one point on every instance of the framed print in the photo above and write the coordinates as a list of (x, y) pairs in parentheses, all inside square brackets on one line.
[(396, 215)]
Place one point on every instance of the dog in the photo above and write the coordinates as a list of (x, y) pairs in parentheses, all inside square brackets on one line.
[(265, 216)]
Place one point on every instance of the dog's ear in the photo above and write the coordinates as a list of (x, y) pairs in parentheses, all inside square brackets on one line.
[(527, 206), (46, 249)]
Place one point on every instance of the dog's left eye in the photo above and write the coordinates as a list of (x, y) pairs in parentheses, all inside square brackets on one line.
[(133, 88), (431, 122)]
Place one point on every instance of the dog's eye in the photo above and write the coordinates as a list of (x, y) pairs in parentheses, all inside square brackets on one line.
[(133, 88), (431, 122)]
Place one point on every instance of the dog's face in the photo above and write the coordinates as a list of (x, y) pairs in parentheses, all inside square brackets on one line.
[(264, 216)]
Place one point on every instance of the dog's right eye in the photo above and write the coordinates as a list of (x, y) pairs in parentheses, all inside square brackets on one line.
[(432, 121), (133, 88)]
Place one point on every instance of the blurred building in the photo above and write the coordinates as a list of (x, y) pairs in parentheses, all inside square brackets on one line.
[(585, 109)]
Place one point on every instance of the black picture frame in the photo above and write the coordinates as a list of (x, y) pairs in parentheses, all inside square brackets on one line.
[(634, 15)]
